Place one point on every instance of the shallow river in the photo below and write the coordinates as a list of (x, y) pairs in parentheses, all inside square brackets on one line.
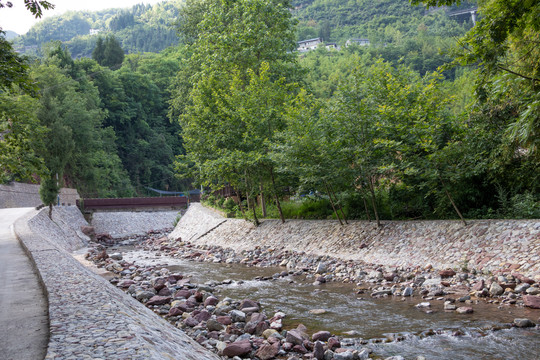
[(361, 317)]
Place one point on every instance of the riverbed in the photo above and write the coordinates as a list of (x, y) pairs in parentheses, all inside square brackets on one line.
[(389, 325)]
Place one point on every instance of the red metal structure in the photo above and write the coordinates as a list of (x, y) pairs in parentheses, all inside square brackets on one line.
[(171, 202)]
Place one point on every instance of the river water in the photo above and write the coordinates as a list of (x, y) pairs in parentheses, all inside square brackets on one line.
[(360, 318)]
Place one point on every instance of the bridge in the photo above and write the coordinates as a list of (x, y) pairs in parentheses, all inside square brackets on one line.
[(471, 11), (166, 202)]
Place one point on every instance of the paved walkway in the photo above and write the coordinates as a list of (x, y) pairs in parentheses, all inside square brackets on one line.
[(24, 324)]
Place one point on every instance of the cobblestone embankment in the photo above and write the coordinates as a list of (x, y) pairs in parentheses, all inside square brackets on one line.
[(90, 318), (486, 245), (128, 223)]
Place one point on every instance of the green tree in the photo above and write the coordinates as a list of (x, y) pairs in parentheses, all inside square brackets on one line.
[(238, 45), (108, 52)]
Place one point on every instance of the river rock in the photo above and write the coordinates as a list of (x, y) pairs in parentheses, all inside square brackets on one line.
[(248, 304), (531, 301), (204, 315), (174, 311), (317, 311), (495, 289), (523, 323), (268, 333), (164, 292), (423, 305), (464, 310), (158, 300), (214, 325), (191, 322), (408, 291), (479, 286), (296, 337), (238, 316), (447, 273), (449, 306), (237, 348), (159, 283), (321, 268), (321, 336), (318, 350), (533, 291), (523, 278), (211, 301), (143, 295), (257, 324), (126, 283), (268, 351), (521, 288), (224, 320), (116, 256), (88, 230), (333, 343), (182, 294), (346, 354)]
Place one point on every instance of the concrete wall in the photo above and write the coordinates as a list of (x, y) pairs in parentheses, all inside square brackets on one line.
[(16, 195), (492, 245), (90, 318)]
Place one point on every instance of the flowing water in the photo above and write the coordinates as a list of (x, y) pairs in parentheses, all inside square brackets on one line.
[(359, 317)]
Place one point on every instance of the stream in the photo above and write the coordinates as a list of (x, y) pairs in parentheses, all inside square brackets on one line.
[(360, 319)]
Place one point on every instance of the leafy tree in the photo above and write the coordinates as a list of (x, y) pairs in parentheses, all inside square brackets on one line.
[(48, 191), (238, 46), (108, 52), (34, 6)]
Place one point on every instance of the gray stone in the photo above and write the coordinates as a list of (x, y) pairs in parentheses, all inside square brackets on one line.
[(523, 323), (408, 291), (495, 289), (321, 268)]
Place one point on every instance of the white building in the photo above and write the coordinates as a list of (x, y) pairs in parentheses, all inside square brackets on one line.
[(311, 44)]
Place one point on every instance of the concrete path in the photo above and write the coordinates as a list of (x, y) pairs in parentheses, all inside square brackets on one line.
[(24, 323)]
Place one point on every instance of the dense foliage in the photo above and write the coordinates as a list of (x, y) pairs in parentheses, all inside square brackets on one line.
[(435, 119), (143, 28)]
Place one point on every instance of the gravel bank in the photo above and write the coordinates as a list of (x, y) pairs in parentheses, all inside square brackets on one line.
[(89, 318)]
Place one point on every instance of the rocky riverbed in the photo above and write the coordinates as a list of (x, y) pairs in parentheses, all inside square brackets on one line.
[(242, 328)]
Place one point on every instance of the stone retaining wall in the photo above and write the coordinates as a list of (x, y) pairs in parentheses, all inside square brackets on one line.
[(90, 318), (128, 223), (15, 195), (488, 245)]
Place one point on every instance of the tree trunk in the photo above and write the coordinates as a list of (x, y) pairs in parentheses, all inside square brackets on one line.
[(332, 203), (50, 211), (366, 208), (452, 201), (254, 209), (339, 204), (263, 202), (278, 205), (373, 203)]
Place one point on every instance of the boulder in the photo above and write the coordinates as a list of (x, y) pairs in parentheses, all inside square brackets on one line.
[(268, 351), (523, 323), (237, 348), (321, 336), (531, 301), (495, 289), (159, 300)]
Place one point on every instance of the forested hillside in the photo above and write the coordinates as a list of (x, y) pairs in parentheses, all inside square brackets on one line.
[(434, 119), (142, 28)]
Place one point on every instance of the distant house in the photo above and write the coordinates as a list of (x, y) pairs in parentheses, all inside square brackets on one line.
[(359, 42), (94, 31), (332, 46), (311, 44)]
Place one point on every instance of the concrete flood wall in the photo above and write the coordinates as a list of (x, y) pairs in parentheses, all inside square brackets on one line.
[(489, 245), (16, 195), (89, 317)]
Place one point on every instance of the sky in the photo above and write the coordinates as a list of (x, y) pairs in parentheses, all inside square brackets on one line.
[(20, 20)]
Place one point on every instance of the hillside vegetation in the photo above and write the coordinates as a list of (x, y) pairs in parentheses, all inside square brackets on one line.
[(434, 118)]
